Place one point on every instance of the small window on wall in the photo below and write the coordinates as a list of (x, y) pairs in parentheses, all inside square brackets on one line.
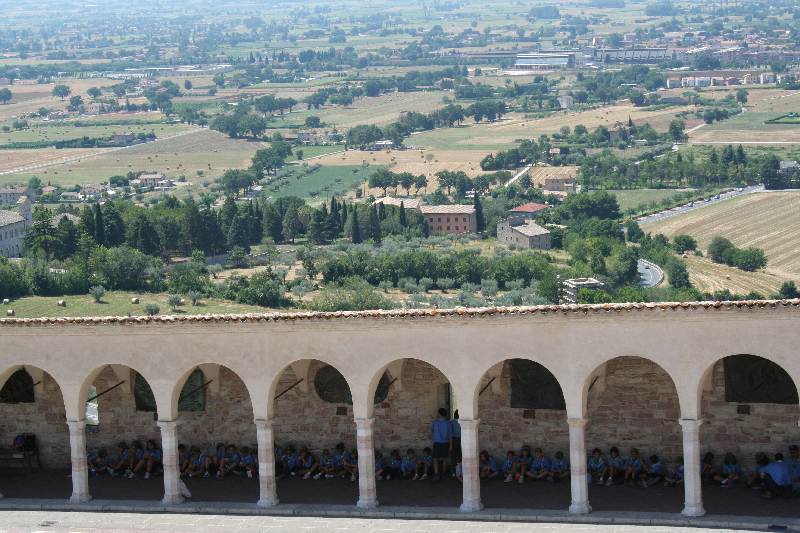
[(534, 387), (331, 386), (752, 379), (18, 388)]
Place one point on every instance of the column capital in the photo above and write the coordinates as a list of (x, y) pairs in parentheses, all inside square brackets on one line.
[(690, 424), (167, 425), (263, 423), (577, 422), (469, 424), (365, 423), (76, 425)]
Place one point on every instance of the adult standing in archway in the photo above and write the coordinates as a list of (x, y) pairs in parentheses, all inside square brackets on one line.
[(441, 432)]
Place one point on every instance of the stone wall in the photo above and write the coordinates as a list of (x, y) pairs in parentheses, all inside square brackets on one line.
[(46, 418), (632, 403), (769, 428)]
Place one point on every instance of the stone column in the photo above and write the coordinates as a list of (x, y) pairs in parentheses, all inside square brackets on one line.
[(693, 505), (80, 471), (470, 466), (266, 463), (367, 491), (579, 481), (169, 447)]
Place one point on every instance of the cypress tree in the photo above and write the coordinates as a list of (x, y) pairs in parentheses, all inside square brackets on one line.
[(86, 223), (479, 222), (374, 225), (355, 229), (403, 221), (99, 226)]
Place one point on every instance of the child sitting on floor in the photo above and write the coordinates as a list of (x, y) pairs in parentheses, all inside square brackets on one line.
[(598, 468), (731, 471), (198, 466), (539, 468), (183, 458), (707, 472), (508, 467), (249, 462), (424, 464), (675, 477), (338, 460), (488, 466), (634, 468), (305, 463), (559, 468), (149, 460), (379, 465), (325, 465), (408, 467), (616, 467), (521, 464), (121, 463), (229, 463), (350, 464), (392, 468), (655, 472)]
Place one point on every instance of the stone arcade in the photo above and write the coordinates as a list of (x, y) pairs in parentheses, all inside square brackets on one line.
[(630, 374)]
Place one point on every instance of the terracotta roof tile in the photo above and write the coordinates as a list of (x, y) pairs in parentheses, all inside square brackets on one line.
[(584, 309)]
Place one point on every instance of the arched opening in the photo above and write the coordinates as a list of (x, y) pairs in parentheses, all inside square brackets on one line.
[(632, 404), (313, 413), (521, 406), (34, 437), (123, 442), (414, 393), (749, 406), (218, 448)]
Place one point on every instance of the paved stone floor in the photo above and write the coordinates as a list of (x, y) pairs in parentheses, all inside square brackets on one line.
[(63, 522), (494, 493)]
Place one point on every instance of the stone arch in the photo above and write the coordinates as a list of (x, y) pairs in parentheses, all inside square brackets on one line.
[(46, 417), (632, 401), (123, 372), (303, 369), (741, 425), (533, 421), (213, 375)]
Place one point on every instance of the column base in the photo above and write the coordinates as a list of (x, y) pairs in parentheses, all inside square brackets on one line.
[(77, 498), (471, 507), (268, 503), (367, 504), (175, 499), (580, 508), (693, 510)]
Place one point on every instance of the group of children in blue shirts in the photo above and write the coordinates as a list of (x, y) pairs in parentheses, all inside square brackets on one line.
[(128, 461), (223, 460)]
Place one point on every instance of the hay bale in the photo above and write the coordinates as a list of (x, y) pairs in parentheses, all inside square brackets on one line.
[(134, 300), (61, 303), (10, 312), (6, 301)]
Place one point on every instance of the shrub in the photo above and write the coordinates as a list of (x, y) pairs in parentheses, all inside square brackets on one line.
[(173, 301), (488, 287), (97, 292), (717, 249), (194, 296), (684, 243), (425, 284), (152, 309), (445, 283)]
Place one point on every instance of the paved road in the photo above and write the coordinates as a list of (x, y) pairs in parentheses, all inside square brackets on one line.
[(650, 274), (669, 213), (58, 522)]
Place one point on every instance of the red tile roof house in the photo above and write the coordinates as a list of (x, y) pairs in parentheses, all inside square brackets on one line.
[(530, 210), (450, 218)]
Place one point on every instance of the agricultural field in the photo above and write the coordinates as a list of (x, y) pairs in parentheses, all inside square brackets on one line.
[(203, 150), (769, 220), (315, 181), (708, 276), (506, 133), (29, 98), (640, 198), (49, 132), (750, 127), (118, 303), (15, 162)]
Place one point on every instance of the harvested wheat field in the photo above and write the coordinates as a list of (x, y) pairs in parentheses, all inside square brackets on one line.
[(708, 276), (34, 160), (768, 220)]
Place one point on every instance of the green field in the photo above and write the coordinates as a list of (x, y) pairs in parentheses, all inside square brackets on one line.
[(66, 131), (640, 198), (315, 151), (118, 303), (321, 182)]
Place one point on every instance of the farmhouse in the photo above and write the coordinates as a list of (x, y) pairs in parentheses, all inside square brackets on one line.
[(11, 195), (408, 203), (529, 210), (147, 180), (13, 227), (554, 179), (523, 233), (450, 218)]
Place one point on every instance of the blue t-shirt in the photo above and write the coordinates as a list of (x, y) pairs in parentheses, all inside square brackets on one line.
[(559, 465), (794, 469), (617, 462), (597, 464), (441, 431), (678, 472), (378, 464), (309, 462), (540, 463), (325, 460), (409, 464), (732, 470), (779, 471), (657, 469), (125, 455), (339, 459), (249, 460), (291, 461), (490, 463), (156, 454), (198, 460), (508, 464), (636, 463), (455, 428), (426, 459), (523, 459)]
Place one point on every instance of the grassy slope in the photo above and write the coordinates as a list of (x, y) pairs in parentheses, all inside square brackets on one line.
[(118, 304)]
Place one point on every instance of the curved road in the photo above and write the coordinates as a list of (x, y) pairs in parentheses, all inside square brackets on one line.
[(650, 274)]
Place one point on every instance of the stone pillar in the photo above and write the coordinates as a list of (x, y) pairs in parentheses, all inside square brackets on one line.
[(693, 505), (169, 447), (470, 466), (579, 481), (266, 463), (367, 491), (80, 470)]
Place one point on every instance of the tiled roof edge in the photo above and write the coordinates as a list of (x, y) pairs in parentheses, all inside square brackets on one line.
[(583, 309)]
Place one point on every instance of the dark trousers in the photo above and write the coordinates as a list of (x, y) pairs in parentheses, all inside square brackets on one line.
[(456, 453), (769, 484)]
